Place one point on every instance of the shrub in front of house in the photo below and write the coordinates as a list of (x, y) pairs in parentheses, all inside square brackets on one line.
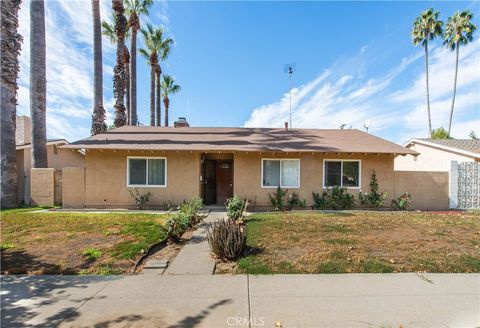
[(374, 197), (191, 209), (177, 224), (186, 217), (140, 199), (234, 207), (336, 198), (294, 202), (226, 239), (403, 202), (277, 200)]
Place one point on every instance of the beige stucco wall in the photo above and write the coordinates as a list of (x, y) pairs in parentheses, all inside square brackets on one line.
[(106, 178), (248, 184), (57, 158), (431, 159), (73, 187), (42, 184), (428, 189)]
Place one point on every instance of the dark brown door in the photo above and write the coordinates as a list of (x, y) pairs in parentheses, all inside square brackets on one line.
[(209, 185), (224, 179)]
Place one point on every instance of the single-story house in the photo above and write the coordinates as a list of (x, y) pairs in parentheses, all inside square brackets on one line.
[(436, 155), (57, 158), (176, 163)]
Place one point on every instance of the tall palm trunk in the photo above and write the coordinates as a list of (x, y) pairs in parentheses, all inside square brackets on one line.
[(10, 45), (98, 117), (428, 92), (152, 95), (127, 84), (133, 69), (454, 88), (38, 84), (166, 104), (119, 76), (158, 71)]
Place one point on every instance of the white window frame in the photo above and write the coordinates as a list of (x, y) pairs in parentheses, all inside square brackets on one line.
[(359, 161), (280, 160), (146, 185)]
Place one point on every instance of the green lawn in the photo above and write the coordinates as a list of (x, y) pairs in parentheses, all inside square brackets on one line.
[(75, 243), (361, 242)]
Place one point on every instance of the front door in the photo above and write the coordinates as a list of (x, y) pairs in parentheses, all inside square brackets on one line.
[(224, 177), (209, 186)]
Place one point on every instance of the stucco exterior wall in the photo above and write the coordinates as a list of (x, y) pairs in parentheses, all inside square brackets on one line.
[(57, 158), (431, 159), (428, 189), (42, 184), (106, 178), (73, 187), (248, 184)]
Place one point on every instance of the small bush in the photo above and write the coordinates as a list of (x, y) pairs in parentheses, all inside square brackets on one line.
[(140, 199), (177, 224), (234, 207), (226, 239), (92, 253), (402, 203), (375, 198), (186, 217), (278, 199), (191, 209), (294, 202), (336, 198)]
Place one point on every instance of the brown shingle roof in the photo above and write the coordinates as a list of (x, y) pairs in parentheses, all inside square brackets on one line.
[(240, 139), (462, 144)]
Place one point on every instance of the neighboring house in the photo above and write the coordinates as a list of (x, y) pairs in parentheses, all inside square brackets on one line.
[(436, 155), (176, 163), (57, 158)]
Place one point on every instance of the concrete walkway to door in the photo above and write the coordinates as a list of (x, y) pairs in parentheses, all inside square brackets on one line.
[(194, 258)]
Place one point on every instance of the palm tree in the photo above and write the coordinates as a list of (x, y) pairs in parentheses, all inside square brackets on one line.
[(458, 30), (134, 9), (108, 29), (98, 117), (119, 72), (425, 28), (169, 88), (38, 84), (165, 47), (10, 44), (158, 73)]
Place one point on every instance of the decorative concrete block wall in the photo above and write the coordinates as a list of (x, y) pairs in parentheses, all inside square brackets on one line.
[(73, 187), (42, 186)]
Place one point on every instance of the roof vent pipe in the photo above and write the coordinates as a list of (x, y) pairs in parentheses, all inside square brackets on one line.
[(286, 126)]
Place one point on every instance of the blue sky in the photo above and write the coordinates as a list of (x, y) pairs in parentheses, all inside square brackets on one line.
[(354, 62)]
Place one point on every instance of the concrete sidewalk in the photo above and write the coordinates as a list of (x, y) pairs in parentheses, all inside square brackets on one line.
[(349, 300), (195, 258)]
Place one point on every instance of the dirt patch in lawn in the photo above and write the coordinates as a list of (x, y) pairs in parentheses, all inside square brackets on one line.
[(362, 242), (76, 243)]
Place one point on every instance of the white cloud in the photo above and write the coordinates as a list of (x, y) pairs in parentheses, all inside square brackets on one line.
[(397, 112)]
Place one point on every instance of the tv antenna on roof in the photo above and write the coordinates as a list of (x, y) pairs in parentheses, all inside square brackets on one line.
[(290, 69), (367, 124)]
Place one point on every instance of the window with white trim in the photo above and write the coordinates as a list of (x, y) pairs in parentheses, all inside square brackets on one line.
[(147, 171), (281, 172), (342, 173)]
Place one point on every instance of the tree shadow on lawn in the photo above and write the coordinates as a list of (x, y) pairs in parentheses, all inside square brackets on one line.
[(26, 297)]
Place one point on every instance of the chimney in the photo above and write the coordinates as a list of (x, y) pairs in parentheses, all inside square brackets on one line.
[(23, 130), (181, 123), (286, 126)]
